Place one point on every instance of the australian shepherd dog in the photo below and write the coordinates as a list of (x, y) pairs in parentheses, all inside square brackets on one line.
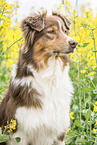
[(40, 89)]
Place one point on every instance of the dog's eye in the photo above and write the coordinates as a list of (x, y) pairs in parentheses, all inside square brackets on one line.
[(66, 32), (51, 31)]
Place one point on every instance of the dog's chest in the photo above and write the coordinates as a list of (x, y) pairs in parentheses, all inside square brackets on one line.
[(53, 118)]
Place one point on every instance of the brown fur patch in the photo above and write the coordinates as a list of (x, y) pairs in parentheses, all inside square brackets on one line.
[(42, 51), (17, 97), (25, 96), (62, 137), (22, 70), (64, 60), (29, 26)]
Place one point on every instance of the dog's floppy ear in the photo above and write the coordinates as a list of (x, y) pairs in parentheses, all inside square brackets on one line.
[(66, 21), (30, 25), (35, 22)]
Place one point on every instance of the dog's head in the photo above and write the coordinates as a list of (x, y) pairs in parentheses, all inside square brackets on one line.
[(47, 36)]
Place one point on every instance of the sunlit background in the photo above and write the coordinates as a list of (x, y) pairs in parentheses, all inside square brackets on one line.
[(28, 6)]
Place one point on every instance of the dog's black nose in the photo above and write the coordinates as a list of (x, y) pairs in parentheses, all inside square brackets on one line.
[(73, 43)]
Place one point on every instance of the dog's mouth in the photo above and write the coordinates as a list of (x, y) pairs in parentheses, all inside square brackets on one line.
[(61, 53)]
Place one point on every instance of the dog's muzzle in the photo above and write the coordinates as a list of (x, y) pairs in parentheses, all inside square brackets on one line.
[(72, 45)]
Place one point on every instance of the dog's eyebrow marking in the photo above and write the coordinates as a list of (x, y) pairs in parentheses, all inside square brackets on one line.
[(66, 21), (60, 26)]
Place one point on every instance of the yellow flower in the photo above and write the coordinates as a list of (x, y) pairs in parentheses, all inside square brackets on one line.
[(8, 131), (10, 126), (92, 73), (69, 130), (86, 67), (71, 115), (96, 102), (13, 124), (94, 130), (60, 7), (5, 56), (5, 127), (96, 122), (95, 108), (13, 5), (67, 2), (83, 71), (9, 63), (93, 67)]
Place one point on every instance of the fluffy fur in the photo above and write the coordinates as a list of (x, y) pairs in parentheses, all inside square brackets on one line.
[(40, 89)]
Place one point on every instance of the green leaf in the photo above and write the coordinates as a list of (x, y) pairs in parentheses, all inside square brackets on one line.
[(86, 89), (77, 123), (79, 45), (4, 138), (85, 44), (18, 139), (88, 114), (70, 136), (82, 140)]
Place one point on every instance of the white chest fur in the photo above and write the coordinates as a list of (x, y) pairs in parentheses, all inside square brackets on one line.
[(42, 126)]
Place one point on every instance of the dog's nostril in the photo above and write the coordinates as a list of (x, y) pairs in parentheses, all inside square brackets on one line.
[(73, 43)]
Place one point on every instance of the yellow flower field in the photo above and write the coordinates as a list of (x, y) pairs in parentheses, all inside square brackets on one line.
[(83, 70)]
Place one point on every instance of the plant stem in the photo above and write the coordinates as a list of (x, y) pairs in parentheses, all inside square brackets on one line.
[(77, 6), (11, 46), (67, 11), (87, 127), (94, 43), (84, 100), (93, 37), (90, 109), (78, 90), (80, 106), (85, 113)]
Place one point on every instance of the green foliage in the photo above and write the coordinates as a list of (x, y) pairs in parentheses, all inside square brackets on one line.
[(83, 72), (18, 139)]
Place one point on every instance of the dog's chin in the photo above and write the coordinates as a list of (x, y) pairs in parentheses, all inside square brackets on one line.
[(62, 53)]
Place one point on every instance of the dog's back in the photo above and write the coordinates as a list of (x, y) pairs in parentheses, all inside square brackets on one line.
[(40, 89)]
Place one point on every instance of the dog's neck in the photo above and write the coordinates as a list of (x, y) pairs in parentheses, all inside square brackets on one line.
[(53, 68)]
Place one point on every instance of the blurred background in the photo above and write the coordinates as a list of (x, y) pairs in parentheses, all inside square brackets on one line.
[(28, 6), (83, 68)]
